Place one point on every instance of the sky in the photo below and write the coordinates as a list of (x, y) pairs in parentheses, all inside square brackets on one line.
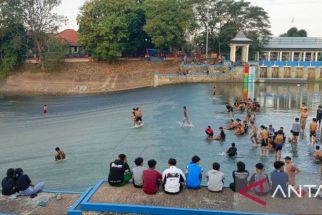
[(284, 14)]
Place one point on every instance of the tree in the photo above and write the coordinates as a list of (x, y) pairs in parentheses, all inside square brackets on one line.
[(104, 27), (225, 18), (138, 40), (294, 32), (12, 37), (40, 20), (12, 48), (167, 22), (53, 54)]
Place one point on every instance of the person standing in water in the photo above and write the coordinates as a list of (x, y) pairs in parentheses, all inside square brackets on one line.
[(214, 91), (185, 117), (138, 116), (313, 130), (319, 115), (45, 110), (303, 116)]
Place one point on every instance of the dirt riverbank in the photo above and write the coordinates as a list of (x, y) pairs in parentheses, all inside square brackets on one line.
[(85, 78)]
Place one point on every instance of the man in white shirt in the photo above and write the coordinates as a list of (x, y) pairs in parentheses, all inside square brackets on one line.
[(173, 178), (215, 178)]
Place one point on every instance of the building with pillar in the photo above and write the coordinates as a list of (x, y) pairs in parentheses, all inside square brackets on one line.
[(292, 49), (240, 41)]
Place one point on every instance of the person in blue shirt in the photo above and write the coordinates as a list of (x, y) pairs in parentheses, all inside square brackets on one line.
[(279, 179), (194, 173)]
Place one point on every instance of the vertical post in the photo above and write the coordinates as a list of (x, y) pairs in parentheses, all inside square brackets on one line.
[(247, 53), (281, 56), (312, 56), (269, 56), (207, 41), (304, 56), (292, 56), (244, 54), (233, 53), (316, 56)]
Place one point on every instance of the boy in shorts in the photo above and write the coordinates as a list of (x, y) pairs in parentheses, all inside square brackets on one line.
[(264, 143), (313, 129)]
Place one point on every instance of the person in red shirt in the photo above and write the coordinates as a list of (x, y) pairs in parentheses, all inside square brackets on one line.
[(209, 132), (151, 178)]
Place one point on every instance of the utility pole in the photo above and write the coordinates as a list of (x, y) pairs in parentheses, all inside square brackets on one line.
[(207, 41)]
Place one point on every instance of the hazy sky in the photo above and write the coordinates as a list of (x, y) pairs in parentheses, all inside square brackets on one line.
[(307, 14)]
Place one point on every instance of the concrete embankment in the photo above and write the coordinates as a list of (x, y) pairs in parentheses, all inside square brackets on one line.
[(85, 78), (91, 77)]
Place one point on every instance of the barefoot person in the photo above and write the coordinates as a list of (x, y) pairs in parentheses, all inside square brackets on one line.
[(214, 91), (313, 129), (232, 151), (319, 115), (264, 144), (45, 110), (221, 136), (318, 156), (253, 133), (185, 117), (139, 115), (59, 154), (291, 170), (296, 128), (304, 115), (279, 140), (209, 132)]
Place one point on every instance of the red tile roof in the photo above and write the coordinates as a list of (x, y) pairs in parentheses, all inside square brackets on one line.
[(70, 36)]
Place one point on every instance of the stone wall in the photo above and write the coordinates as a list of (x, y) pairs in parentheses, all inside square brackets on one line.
[(231, 76), (308, 73)]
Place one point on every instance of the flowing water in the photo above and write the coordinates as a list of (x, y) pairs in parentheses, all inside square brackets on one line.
[(94, 129)]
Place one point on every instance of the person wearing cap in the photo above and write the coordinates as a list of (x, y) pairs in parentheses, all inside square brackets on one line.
[(296, 128), (279, 178), (120, 172), (258, 176), (291, 170), (319, 115)]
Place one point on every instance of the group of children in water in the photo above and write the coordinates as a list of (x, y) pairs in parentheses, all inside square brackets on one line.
[(173, 179)]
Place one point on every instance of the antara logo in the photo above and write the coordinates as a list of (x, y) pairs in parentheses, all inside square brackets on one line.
[(290, 189)]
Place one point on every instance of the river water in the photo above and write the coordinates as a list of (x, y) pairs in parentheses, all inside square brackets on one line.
[(94, 129)]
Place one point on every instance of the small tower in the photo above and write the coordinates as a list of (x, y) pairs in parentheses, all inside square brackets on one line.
[(240, 41)]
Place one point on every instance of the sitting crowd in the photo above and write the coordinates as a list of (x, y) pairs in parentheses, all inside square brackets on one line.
[(19, 183), (173, 179)]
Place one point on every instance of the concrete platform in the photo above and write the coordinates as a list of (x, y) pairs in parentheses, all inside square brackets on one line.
[(203, 199), (27, 206)]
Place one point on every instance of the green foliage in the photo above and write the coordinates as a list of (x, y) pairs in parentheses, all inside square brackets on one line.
[(225, 18), (138, 40), (104, 27), (12, 48), (168, 21), (12, 37), (294, 32), (37, 17), (53, 54)]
